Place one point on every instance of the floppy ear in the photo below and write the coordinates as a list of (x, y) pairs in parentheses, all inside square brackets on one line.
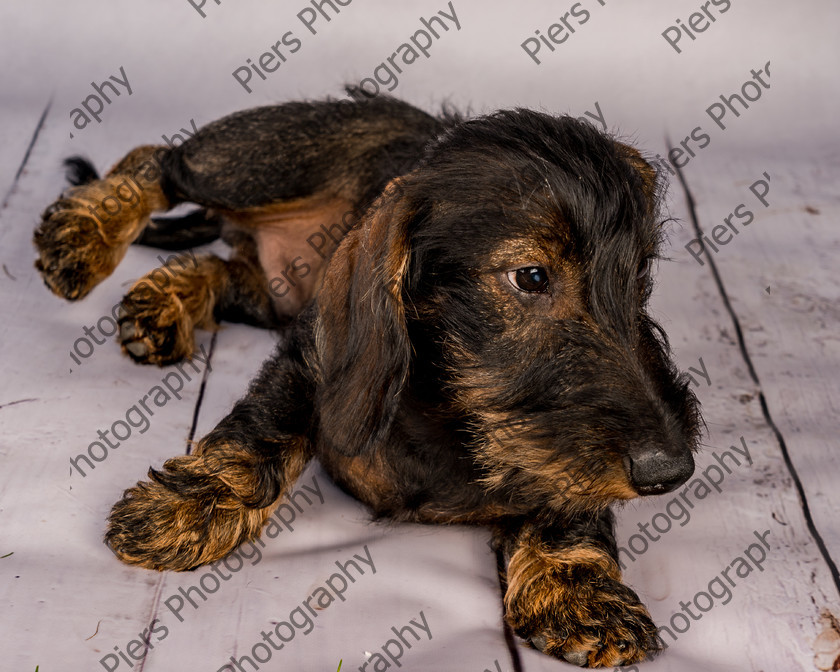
[(648, 174), (361, 332)]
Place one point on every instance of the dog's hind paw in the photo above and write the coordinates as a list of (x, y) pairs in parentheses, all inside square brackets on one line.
[(85, 233), (73, 255), (155, 327)]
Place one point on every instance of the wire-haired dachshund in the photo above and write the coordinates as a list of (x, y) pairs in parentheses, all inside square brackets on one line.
[(465, 337)]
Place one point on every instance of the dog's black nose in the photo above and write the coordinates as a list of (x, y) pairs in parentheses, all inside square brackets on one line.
[(653, 470)]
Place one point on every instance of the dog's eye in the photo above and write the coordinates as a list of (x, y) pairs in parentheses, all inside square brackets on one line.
[(644, 269), (529, 279)]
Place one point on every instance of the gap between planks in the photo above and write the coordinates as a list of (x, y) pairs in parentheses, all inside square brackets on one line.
[(768, 418), (25, 160)]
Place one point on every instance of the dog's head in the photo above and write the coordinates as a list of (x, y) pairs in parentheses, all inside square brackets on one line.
[(510, 274)]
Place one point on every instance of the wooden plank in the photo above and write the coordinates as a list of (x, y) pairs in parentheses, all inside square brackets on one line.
[(780, 274)]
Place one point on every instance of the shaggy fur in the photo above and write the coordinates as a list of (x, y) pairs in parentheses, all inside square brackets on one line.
[(477, 351)]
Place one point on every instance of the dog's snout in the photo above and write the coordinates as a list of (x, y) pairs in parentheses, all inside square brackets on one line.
[(653, 470)]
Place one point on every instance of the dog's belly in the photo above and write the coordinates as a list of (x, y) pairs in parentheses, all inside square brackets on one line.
[(295, 240)]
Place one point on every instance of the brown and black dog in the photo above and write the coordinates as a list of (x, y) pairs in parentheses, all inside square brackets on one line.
[(477, 351)]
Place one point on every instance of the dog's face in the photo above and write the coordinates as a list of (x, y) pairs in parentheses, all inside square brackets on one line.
[(513, 269)]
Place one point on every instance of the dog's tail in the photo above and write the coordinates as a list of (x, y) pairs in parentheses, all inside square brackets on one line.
[(197, 227)]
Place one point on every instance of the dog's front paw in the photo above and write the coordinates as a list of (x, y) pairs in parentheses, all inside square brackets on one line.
[(73, 256), (155, 326), (579, 612), (156, 528), (602, 627), (182, 519)]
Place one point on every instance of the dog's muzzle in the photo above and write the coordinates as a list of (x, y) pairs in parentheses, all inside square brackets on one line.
[(654, 470)]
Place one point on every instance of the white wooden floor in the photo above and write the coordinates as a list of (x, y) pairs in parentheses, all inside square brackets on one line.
[(763, 315)]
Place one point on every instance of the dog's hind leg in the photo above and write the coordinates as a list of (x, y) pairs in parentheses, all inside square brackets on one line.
[(86, 232), (293, 177), (201, 506)]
